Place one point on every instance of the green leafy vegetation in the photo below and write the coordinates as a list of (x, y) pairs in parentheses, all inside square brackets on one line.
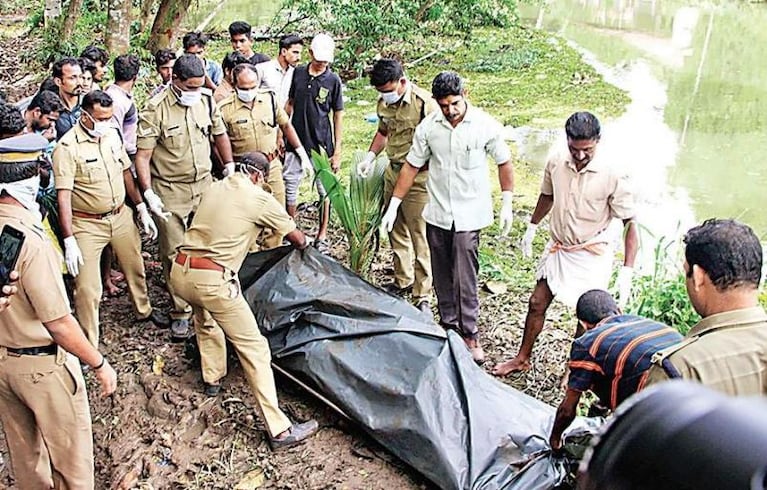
[(359, 210), (662, 295)]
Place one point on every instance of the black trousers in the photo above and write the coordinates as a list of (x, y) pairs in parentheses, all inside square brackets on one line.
[(454, 266)]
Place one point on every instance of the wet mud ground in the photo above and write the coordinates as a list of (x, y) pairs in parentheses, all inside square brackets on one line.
[(159, 431)]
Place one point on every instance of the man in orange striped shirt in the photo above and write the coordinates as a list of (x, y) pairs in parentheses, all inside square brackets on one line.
[(611, 358)]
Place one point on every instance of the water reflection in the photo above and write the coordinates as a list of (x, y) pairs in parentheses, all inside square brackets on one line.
[(694, 130)]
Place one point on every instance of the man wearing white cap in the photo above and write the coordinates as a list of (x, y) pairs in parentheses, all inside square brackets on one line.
[(314, 94)]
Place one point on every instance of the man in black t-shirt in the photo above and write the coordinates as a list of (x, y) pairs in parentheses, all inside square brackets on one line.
[(314, 94)]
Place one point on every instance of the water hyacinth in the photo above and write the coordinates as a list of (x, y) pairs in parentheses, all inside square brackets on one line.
[(359, 209)]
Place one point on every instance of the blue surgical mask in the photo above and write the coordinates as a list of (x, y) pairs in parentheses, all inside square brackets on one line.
[(188, 99), (390, 98), (246, 95)]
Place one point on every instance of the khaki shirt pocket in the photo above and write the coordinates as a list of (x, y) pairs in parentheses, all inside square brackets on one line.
[(267, 127), (591, 209), (175, 137), (203, 129), (90, 170), (242, 130)]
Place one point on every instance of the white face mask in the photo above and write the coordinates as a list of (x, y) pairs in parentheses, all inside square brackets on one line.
[(390, 98), (246, 95), (100, 128), (25, 191), (188, 99)]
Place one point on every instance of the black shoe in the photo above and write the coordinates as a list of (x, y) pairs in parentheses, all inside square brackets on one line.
[(297, 434), (425, 307), (156, 318), (212, 390), (179, 330), (392, 288)]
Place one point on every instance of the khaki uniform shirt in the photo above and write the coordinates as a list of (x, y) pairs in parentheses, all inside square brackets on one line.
[(398, 121), (41, 296), (92, 168), (179, 136), (726, 352), (232, 214), (459, 178), (253, 128), (585, 202)]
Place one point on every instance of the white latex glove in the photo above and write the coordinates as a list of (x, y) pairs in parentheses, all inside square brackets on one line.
[(623, 285), (527, 241), (228, 169), (147, 223), (390, 216), (506, 216), (72, 255), (365, 167), (306, 163), (155, 204)]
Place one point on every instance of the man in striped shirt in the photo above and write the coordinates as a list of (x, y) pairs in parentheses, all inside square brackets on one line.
[(611, 358)]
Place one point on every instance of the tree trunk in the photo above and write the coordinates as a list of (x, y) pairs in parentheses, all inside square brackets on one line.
[(169, 16), (74, 9), (147, 6), (118, 27), (52, 11)]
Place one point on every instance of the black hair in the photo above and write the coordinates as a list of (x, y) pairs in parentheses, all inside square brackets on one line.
[(87, 64), (233, 59), (257, 160), (188, 66), (583, 126), (195, 38), (289, 40), (237, 71), (47, 102), (11, 120), (14, 172), (95, 54), (384, 71), (48, 85), (162, 56), (126, 67), (595, 305), (57, 70), (240, 27), (728, 251), (96, 97), (446, 84)]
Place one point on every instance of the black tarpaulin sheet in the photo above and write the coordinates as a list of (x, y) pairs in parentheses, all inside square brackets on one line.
[(411, 386)]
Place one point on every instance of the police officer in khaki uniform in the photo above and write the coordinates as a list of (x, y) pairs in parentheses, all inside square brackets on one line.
[(43, 403), (253, 118), (727, 349), (174, 165), (93, 174), (231, 214), (401, 107)]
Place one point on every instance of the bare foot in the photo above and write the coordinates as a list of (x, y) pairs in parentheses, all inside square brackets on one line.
[(110, 289), (515, 365), (116, 276)]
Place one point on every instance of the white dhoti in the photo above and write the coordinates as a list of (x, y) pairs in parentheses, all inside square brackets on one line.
[(570, 271)]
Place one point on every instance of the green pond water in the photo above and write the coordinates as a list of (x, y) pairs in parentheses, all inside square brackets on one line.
[(697, 124)]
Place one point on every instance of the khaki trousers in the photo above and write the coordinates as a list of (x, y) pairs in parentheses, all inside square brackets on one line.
[(47, 421), (92, 236), (277, 184), (219, 293), (412, 260), (181, 200)]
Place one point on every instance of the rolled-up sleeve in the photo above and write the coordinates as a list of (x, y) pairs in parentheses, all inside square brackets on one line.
[(64, 167), (547, 187), (496, 146), (148, 129), (622, 202), (420, 153)]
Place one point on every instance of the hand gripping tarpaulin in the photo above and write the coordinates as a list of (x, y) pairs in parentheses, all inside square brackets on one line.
[(390, 368)]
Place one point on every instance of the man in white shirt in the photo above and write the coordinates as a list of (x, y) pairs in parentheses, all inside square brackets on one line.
[(277, 74), (455, 143)]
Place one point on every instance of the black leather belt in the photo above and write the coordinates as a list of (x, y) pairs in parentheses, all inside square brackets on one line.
[(46, 350)]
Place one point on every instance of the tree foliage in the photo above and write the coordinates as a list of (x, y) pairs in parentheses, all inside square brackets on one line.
[(364, 26)]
